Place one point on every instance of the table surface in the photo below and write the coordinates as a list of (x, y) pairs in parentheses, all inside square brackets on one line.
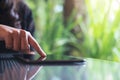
[(91, 69)]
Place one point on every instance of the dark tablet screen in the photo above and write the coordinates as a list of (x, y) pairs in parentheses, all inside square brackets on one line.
[(49, 60)]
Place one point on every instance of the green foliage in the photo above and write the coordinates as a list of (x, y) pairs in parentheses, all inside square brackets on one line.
[(99, 35)]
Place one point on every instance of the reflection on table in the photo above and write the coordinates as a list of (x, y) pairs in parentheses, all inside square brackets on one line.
[(93, 69), (11, 69)]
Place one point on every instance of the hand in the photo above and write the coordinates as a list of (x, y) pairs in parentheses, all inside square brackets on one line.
[(19, 40)]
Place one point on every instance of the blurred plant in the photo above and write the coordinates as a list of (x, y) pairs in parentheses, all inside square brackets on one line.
[(101, 33), (101, 37)]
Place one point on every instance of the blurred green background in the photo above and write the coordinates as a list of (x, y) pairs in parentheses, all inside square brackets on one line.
[(90, 30)]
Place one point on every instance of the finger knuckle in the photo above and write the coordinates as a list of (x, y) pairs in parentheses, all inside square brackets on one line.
[(16, 34), (23, 33), (8, 34)]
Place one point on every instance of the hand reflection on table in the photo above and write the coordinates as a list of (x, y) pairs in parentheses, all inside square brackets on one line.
[(13, 70)]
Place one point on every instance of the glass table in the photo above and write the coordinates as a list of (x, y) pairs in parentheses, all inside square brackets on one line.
[(91, 69)]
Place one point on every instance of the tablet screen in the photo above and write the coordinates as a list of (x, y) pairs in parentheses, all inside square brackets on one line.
[(49, 60)]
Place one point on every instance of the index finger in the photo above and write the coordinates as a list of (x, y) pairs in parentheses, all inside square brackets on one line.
[(36, 46)]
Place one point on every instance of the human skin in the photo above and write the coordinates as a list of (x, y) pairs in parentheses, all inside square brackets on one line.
[(19, 40)]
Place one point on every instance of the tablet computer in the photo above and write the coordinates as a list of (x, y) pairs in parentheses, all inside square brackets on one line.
[(49, 60)]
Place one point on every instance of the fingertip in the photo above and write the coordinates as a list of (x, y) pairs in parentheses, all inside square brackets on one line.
[(41, 52)]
